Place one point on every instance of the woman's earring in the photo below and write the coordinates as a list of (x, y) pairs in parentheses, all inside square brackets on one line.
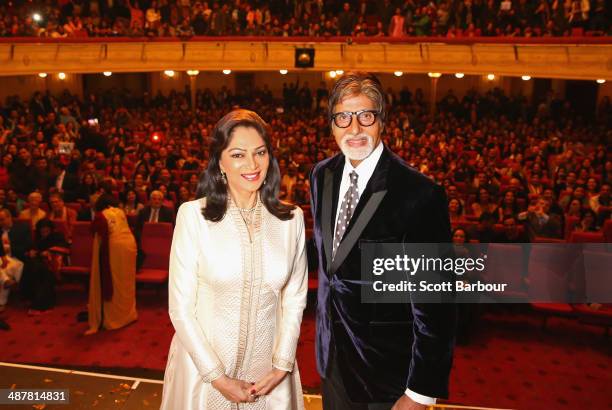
[(223, 177)]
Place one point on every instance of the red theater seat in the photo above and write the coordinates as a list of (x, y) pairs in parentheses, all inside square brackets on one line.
[(155, 242), (548, 280), (80, 250), (607, 229), (505, 264), (587, 237)]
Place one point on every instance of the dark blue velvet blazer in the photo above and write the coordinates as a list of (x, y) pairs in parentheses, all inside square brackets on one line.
[(380, 349)]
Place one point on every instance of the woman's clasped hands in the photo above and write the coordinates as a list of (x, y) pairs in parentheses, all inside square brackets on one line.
[(239, 391)]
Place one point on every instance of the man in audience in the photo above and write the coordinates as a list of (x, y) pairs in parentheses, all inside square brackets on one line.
[(600, 204), (87, 214), (16, 241), (154, 212), (64, 182), (33, 213), (60, 212), (540, 222), (511, 233)]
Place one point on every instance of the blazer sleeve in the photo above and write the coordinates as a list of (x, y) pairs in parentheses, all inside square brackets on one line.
[(293, 301), (182, 288), (434, 323)]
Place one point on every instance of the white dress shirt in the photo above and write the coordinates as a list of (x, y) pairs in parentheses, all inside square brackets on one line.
[(364, 170)]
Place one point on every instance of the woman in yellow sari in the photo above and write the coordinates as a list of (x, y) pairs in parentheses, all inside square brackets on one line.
[(112, 285)]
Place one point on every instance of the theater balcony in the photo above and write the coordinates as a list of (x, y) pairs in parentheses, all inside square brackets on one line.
[(579, 58)]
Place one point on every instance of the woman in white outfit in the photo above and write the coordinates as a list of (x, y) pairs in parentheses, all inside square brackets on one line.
[(238, 281)]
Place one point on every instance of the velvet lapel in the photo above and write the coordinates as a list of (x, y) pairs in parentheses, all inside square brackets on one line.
[(331, 187), (369, 201)]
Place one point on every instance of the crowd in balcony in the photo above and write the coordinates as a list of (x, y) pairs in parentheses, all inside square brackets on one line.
[(316, 18)]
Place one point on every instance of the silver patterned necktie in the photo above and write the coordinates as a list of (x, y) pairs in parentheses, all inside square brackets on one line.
[(346, 211)]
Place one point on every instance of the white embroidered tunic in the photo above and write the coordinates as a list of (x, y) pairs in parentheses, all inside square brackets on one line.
[(236, 304)]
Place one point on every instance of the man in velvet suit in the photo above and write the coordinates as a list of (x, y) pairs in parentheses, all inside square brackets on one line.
[(374, 356)]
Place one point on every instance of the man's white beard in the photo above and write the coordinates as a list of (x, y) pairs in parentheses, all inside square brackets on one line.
[(357, 154)]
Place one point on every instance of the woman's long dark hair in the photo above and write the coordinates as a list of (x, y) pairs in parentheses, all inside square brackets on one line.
[(212, 186)]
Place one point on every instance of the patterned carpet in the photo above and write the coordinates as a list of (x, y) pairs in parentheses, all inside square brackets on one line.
[(509, 362)]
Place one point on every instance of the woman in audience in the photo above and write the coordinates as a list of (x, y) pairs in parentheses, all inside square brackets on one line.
[(130, 203), (455, 210), (588, 221), (183, 196), (41, 272), (212, 286), (87, 187), (483, 203), (112, 283), (508, 207), (574, 209)]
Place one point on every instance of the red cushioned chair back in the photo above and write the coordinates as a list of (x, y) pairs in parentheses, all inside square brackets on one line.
[(548, 272), (82, 244), (586, 237), (505, 265), (155, 241), (597, 275)]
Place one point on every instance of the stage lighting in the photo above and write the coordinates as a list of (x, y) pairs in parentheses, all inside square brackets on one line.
[(435, 75), (169, 73), (600, 81), (339, 72), (526, 77), (156, 137), (42, 75), (398, 73), (107, 73), (332, 74), (37, 17), (490, 77), (283, 72), (226, 72), (192, 73), (304, 57), (61, 76), (459, 75)]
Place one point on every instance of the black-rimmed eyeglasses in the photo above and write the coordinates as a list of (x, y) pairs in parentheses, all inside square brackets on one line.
[(365, 118)]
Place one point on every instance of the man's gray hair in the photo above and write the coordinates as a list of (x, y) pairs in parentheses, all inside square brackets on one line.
[(355, 83)]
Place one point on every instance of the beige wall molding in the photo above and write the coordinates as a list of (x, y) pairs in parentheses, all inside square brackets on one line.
[(567, 61)]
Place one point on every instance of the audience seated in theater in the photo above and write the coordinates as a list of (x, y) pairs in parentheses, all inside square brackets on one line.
[(22, 173), (65, 182), (455, 210), (588, 221), (483, 204), (32, 212), (155, 211), (16, 242), (539, 221), (87, 213), (508, 208), (184, 195), (41, 271), (60, 212), (511, 233), (484, 231), (130, 203), (87, 187), (600, 204)]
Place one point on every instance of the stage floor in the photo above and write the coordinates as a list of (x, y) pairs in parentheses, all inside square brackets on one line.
[(89, 390)]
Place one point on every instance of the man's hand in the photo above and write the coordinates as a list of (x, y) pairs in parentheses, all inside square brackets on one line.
[(269, 382), (236, 391), (406, 403)]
